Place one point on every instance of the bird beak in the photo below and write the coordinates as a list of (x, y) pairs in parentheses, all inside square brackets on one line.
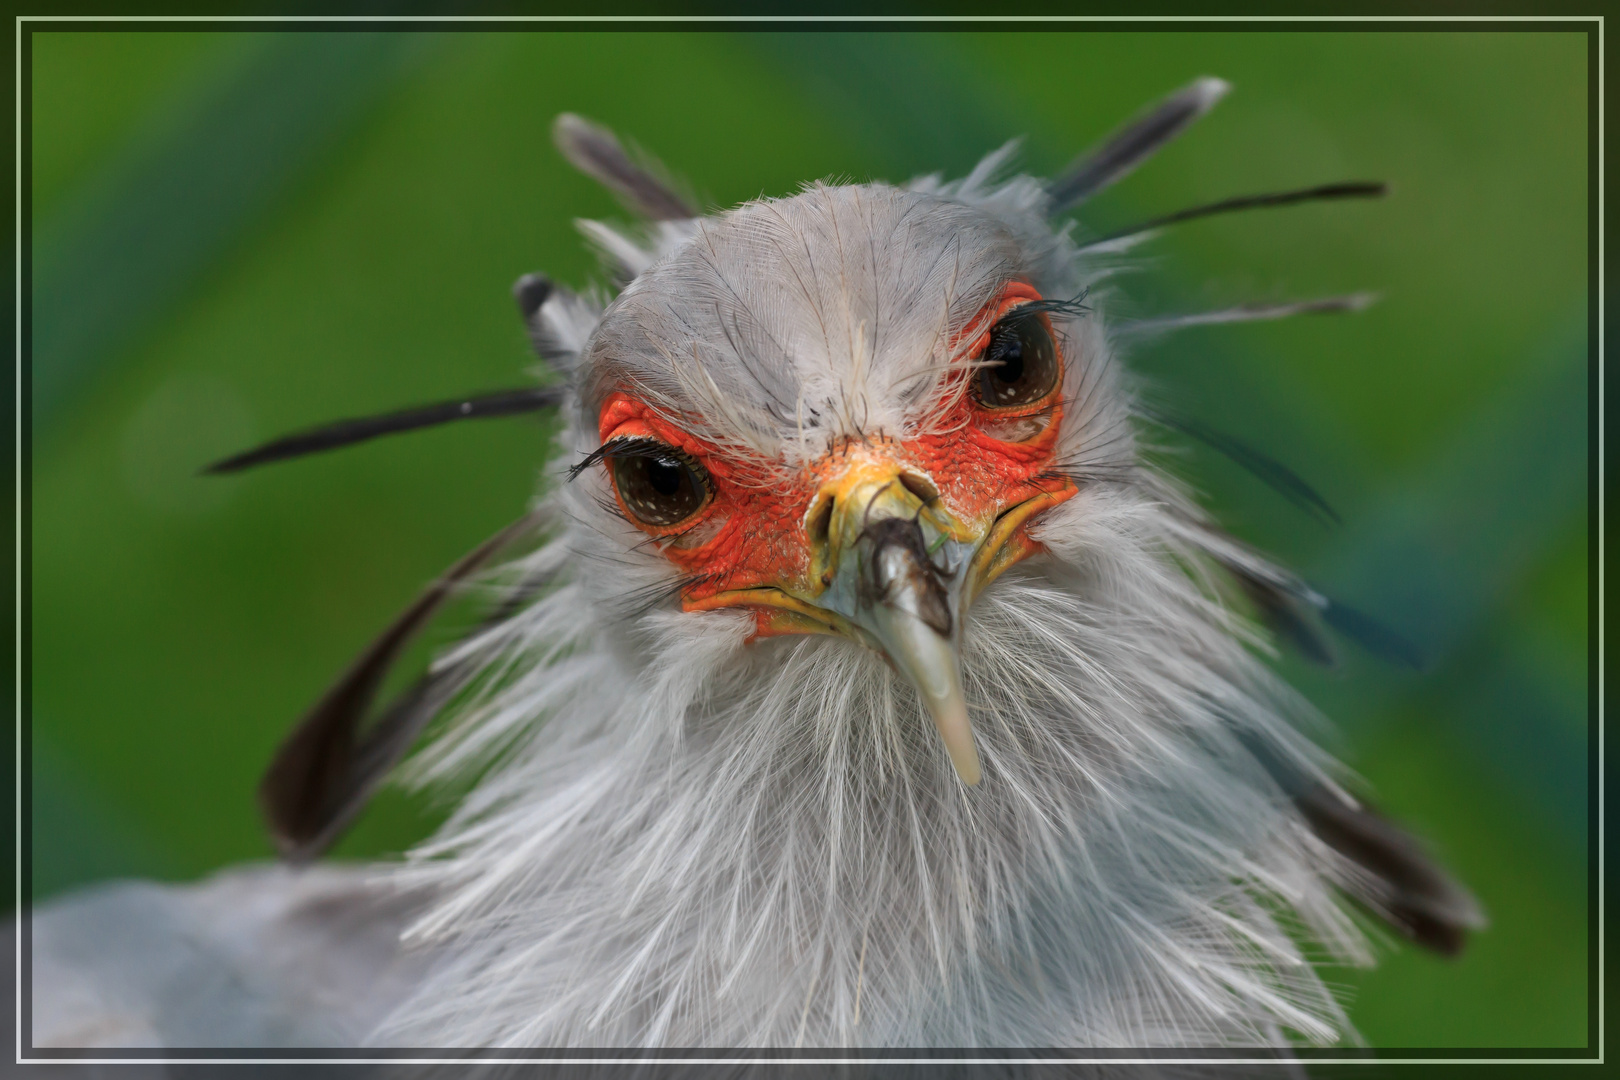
[(895, 563), (893, 568)]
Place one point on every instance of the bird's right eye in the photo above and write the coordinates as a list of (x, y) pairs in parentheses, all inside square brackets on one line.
[(658, 484)]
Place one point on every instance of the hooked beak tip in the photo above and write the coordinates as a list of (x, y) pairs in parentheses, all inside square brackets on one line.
[(952, 720), (928, 659)]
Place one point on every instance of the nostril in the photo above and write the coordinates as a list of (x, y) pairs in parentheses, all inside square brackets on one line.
[(919, 486), (820, 520)]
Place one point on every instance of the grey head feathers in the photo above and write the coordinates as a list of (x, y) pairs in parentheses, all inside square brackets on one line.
[(871, 293)]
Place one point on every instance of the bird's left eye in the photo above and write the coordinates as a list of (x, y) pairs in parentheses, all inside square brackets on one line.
[(658, 484), (1020, 362)]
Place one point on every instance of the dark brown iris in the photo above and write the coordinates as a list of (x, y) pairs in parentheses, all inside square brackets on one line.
[(659, 484), (1020, 363)]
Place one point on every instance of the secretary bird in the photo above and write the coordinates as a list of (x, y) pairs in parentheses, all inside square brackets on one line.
[(855, 680)]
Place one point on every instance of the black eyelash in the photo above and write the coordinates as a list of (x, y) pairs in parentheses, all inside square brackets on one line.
[(633, 447), (601, 453), (641, 447), (1074, 308)]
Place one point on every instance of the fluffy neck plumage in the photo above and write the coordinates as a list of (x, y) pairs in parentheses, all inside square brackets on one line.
[(722, 843)]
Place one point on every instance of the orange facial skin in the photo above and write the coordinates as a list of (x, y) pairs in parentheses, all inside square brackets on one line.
[(760, 533)]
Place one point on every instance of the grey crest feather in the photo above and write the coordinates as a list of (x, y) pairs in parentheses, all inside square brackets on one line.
[(597, 152), (559, 320), (1134, 143), (1248, 313)]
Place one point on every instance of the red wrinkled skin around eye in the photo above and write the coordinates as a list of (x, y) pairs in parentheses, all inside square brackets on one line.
[(758, 519)]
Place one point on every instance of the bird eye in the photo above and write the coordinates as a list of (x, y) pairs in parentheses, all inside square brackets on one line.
[(1020, 363), (658, 484)]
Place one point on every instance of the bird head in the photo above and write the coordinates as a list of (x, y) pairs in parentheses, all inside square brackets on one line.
[(838, 413)]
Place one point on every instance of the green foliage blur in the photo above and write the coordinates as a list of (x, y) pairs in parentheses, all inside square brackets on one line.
[(241, 234)]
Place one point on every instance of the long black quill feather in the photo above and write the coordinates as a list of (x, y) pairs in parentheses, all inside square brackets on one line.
[(1351, 189), (326, 770), (343, 433), (1271, 472)]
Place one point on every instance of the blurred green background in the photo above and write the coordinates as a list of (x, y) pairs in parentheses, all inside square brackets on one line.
[(240, 234)]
